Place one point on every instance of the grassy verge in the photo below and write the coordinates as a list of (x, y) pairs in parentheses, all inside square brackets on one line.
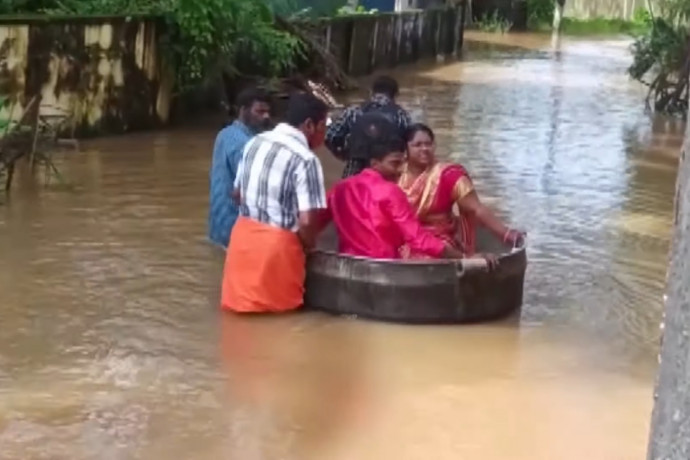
[(601, 26), (570, 26), (540, 18)]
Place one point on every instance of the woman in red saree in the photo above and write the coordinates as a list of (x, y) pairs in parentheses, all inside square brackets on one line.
[(434, 188)]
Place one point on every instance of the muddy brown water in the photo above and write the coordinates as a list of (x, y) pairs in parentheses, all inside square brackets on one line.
[(112, 347)]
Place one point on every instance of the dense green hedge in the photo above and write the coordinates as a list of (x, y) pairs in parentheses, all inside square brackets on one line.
[(204, 37)]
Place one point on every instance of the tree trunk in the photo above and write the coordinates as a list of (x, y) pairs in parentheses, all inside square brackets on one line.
[(558, 14), (670, 430)]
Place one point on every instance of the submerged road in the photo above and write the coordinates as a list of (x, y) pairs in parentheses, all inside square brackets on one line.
[(112, 346)]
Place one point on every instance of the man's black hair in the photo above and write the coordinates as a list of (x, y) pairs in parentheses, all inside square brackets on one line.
[(385, 85), (247, 97), (374, 136), (304, 106)]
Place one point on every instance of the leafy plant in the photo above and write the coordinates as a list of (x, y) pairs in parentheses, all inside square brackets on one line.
[(540, 13), (348, 11), (492, 22), (205, 37), (88, 7), (642, 16), (4, 121), (661, 57), (230, 36), (305, 8)]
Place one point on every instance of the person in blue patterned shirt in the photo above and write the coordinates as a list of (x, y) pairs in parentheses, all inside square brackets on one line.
[(254, 117), (383, 93)]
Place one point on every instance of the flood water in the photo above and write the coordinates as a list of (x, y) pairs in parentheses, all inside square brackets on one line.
[(112, 345)]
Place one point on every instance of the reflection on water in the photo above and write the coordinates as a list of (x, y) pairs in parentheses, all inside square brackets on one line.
[(112, 347)]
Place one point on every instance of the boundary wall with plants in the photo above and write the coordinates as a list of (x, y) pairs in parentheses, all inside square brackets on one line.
[(109, 74)]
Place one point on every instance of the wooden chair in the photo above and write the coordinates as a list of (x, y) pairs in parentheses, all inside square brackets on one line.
[(50, 122), (17, 139), (54, 122), (35, 135)]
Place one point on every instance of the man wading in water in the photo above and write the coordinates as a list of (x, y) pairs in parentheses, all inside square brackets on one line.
[(281, 190), (383, 94), (254, 117)]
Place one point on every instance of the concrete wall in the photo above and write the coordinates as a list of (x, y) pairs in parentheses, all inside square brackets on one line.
[(106, 72), (110, 76)]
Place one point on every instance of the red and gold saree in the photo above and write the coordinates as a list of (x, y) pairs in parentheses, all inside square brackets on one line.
[(433, 195)]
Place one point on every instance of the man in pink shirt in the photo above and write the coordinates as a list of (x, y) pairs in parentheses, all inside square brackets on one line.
[(371, 213)]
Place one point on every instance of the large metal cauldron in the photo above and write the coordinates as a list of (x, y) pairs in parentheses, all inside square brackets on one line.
[(437, 291)]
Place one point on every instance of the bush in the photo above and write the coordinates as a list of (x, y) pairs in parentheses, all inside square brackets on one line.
[(309, 8), (539, 13), (660, 61), (492, 22), (205, 37), (230, 36)]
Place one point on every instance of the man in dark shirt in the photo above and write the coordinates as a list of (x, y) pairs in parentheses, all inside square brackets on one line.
[(383, 93)]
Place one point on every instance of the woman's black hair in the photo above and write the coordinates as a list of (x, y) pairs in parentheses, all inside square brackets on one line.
[(373, 137), (417, 127)]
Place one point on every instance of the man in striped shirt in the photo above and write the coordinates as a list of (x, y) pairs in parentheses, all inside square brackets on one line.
[(280, 187)]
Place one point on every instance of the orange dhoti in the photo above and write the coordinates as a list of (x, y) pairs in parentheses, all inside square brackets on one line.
[(264, 269)]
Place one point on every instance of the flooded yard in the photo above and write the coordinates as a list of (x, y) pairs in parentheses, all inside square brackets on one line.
[(112, 345)]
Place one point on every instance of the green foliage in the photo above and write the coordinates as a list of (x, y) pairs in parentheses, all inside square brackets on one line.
[(285, 8), (348, 11), (231, 36), (660, 59), (305, 8), (642, 16), (97, 7), (20, 6), (540, 17), (539, 13), (4, 121), (492, 22), (602, 26), (205, 37), (662, 48)]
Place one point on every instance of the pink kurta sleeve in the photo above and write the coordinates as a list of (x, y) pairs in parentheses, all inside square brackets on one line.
[(416, 237)]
